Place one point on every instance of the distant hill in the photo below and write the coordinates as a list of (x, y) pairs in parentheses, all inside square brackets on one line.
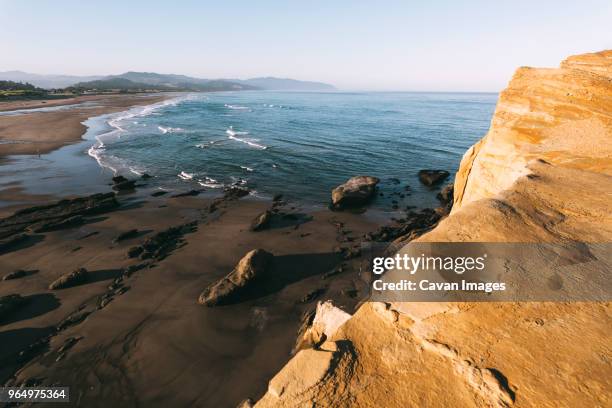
[(154, 80), (46, 81), (159, 84), (286, 84), (116, 83)]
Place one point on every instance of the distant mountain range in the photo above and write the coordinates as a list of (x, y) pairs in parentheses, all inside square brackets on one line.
[(150, 80)]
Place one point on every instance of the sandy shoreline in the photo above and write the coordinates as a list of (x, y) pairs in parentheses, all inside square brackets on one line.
[(40, 132)]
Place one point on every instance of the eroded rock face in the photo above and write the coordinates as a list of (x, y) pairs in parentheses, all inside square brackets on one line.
[(433, 177), (68, 280), (559, 115), (245, 274), (355, 192), (541, 174)]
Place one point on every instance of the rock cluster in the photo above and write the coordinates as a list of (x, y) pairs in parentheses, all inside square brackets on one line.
[(61, 214), (163, 243)]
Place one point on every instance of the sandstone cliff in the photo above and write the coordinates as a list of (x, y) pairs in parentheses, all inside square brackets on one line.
[(542, 173)]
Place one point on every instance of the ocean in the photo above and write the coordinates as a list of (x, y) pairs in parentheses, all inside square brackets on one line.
[(299, 144)]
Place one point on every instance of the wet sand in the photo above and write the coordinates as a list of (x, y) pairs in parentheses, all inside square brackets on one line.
[(39, 132)]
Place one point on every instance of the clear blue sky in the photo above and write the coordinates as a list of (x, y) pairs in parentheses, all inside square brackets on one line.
[(381, 45)]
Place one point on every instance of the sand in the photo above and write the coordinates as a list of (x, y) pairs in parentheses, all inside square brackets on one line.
[(154, 345), (41, 132)]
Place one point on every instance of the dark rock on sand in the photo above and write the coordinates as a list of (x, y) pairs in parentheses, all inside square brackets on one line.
[(45, 226), (68, 280), (146, 176), (229, 288), (163, 243), (20, 273), (234, 193), (9, 304), (57, 213), (135, 251), (159, 193), (133, 233), (432, 177), (120, 183), (356, 191), (261, 221), (415, 224)]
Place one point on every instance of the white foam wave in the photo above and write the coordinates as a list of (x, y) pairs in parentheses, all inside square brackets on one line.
[(236, 107), (165, 130), (210, 182), (247, 168), (185, 176), (115, 121), (249, 141)]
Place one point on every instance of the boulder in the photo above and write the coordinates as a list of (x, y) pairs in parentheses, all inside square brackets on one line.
[(356, 191), (68, 280), (20, 273), (245, 274), (446, 194), (446, 199), (261, 221), (433, 177)]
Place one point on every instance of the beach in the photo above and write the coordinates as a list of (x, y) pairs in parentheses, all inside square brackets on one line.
[(134, 332), (40, 132)]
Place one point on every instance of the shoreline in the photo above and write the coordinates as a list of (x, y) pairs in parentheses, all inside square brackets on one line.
[(36, 131)]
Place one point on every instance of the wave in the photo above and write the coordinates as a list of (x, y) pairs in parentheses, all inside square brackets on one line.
[(210, 182), (185, 176), (237, 107), (165, 130), (251, 142), (238, 181), (247, 168), (98, 149)]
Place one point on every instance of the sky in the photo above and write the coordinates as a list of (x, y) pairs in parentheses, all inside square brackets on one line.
[(467, 45)]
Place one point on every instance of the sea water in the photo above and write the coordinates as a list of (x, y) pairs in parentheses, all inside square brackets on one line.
[(299, 144)]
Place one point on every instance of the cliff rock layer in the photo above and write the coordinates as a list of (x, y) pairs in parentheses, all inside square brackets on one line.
[(542, 173)]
